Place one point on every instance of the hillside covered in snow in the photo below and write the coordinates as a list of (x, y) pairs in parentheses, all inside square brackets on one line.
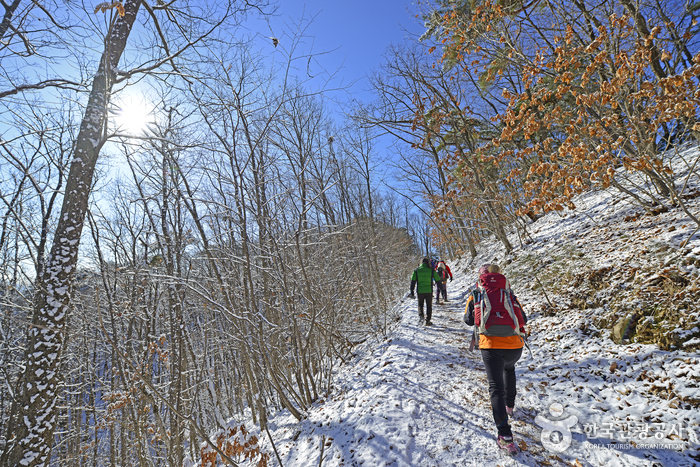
[(612, 374)]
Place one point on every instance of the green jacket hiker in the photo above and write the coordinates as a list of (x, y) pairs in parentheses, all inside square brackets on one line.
[(424, 277)]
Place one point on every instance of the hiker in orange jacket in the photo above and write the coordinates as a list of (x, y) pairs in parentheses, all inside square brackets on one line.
[(501, 340)]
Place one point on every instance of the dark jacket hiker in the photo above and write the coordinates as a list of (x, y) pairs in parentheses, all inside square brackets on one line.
[(444, 273)]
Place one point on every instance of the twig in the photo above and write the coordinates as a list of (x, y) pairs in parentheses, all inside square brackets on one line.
[(323, 446), (274, 448), (165, 401), (542, 287), (685, 242), (590, 217)]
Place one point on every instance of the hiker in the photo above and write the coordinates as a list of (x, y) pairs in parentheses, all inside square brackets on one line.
[(501, 339), (444, 273), (423, 277), (433, 262), (474, 298)]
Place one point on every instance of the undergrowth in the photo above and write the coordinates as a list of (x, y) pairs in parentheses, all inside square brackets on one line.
[(660, 300)]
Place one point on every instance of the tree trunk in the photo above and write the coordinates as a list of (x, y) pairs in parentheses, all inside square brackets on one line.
[(33, 415), (7, 18)]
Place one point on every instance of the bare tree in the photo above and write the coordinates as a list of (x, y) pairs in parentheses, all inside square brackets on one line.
[(406, 87), (30, 441), (238, 263)]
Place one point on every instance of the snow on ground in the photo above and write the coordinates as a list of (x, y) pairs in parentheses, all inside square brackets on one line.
[(420, 397)]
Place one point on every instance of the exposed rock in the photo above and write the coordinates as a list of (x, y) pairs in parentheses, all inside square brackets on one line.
[(625, 329)]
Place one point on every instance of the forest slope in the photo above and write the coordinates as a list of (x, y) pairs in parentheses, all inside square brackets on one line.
[(420, 398)]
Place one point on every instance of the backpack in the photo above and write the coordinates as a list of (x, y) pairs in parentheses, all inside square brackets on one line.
[(495, 307), (442, 274)]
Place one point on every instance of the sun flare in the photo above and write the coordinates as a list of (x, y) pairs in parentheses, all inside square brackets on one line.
[(133, 116)]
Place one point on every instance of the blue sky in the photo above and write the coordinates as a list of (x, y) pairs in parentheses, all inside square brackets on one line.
[(355, 33)]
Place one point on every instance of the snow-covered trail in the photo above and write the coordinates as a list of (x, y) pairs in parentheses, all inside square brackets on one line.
[(450, 383), (418, 399)]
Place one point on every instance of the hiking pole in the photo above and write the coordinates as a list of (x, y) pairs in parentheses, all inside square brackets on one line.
[(524, 339), (542, 287)]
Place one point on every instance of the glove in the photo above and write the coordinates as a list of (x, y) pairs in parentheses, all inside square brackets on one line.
[(450, 279)]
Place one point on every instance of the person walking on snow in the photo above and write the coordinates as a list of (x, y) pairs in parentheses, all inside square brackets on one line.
[(501, 340), (422, 279), (469, 309), (444, 273), (473, 298)]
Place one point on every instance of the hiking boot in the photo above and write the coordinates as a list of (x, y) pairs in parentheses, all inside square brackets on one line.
[(510, 410), (428, 323), (421, 318), (506, 443)]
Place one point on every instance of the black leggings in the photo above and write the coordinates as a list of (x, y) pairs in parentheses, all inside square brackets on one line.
[(500, 371), (441, 289), (428, 299)]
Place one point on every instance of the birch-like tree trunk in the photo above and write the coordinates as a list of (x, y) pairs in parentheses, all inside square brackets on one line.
[(33, 415)]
